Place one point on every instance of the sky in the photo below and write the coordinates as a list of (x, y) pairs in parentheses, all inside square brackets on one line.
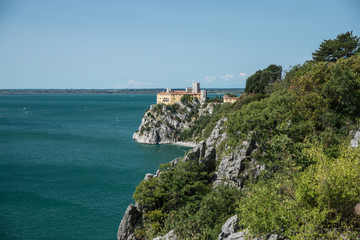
[(112, 44)]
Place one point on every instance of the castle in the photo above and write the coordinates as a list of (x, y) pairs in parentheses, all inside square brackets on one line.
[(230, 99), (170, 97)]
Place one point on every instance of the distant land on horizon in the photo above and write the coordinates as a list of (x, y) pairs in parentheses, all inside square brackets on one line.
[(111, 91)]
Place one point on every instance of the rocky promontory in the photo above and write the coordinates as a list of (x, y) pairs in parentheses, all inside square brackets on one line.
[(282, 162), (232, 169), (164, 124)]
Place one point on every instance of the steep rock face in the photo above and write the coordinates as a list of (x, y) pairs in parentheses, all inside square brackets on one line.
[(233, 169), (229, 228), (163, 124), (354, 142), (237, 167), (132, 218), (169, 236), (230, 231)]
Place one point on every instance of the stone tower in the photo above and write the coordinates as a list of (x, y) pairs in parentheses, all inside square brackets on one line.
[(203, 95), (195, 87)]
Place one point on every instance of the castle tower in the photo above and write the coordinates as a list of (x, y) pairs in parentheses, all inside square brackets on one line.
[(195, 87), (203, 95)]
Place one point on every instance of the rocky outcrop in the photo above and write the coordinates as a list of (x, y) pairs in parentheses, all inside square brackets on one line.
[(163, 124), (230, 231), (169, 236), (355, 141), (132, 218), (229, 228), (233, 169), (237, 167), (218, 134)]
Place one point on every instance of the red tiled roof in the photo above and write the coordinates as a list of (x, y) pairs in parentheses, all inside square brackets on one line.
[(227, 97), (178, 92)]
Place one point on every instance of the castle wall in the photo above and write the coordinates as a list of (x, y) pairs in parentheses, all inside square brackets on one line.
[(172, 97)]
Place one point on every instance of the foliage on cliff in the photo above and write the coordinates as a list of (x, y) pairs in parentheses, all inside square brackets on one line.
[(317, 203), (344, 46), (262, 78), (305, 192), (300, 125), (181, 199)]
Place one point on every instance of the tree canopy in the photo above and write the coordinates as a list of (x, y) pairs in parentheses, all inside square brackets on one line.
[(262, 78), (302, 127), (343, 46)]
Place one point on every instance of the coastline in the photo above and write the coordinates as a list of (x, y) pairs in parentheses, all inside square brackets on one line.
[(186, 144)]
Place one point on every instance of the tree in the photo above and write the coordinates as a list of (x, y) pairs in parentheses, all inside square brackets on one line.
[(344, 46), (231, 94), (186, 98), (262, 78)]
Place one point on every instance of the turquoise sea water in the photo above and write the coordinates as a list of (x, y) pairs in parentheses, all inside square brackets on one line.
[(68, 165)]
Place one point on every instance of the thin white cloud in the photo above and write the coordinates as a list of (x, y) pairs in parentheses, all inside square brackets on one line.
[(210, 79), (242, 74), (227, 77), (132, 84)]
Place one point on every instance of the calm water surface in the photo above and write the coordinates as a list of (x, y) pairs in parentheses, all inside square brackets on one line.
[(68, 165)]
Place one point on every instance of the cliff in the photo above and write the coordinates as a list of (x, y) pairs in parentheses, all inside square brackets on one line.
[(280, 165), (234, 169), (164, 124)]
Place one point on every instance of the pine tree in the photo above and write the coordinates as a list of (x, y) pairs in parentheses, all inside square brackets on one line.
[(344, 46)]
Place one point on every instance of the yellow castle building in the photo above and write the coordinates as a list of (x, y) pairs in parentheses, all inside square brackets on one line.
[(229, 99), (170, 97)]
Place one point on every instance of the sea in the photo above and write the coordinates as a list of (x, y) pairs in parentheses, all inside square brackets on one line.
[(68, 164)]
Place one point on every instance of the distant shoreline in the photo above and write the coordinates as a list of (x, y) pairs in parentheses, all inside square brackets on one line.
[(186, 144), (109, 91)]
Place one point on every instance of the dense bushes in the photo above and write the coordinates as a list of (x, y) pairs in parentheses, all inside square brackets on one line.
[(262, 78), (306, 192), (343, 46), (204, 221), (174, 189), (300, 127), (316, 203)]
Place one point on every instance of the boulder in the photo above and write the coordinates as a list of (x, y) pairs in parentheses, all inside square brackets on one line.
[(217, 135), (230, 231), (237, 236), (230, 227), (236, 168), (132, 218), (354, 143), (169, 236), (148, 176)]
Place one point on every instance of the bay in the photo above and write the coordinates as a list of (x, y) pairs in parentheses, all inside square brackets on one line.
[(68, 164)]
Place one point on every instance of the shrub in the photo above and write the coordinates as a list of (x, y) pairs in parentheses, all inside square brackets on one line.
[(317, 203)]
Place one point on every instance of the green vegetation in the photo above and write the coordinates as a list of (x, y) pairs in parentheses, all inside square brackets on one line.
[(205, 124), (262, 78), (174, 191), (317, 203), (301, 126), (186, 98), (216, 99), (173, 108), (344, 46)]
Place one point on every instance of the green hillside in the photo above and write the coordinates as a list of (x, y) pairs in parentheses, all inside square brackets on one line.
[(301, 124)]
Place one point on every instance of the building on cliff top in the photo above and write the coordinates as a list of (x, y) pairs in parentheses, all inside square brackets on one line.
[(229, 99), (170, 97)]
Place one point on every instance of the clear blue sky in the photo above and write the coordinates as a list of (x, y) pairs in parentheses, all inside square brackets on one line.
[(151, 44)]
